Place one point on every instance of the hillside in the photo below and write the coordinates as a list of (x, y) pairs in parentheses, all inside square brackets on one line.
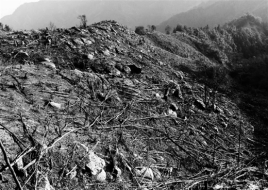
[(105, 108), (64, 13), (217, 13)]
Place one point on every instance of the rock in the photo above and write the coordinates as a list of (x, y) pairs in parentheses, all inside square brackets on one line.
[(78, 73), (55, 105), (161, 63), (45, 184), (73, 174), (106, 52), (172, 113), (101, 177), (47, 59), (95, 164), (87, 42), (118, 173), (126, 69), (220, 186), (128, 82), (200, 104), (78, 42), (49, 64), (158, 96), (252, 186), (144, 172), (90, 56)]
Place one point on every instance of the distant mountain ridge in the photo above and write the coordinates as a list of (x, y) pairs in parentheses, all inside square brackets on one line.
[(64, 13), (213, 13)]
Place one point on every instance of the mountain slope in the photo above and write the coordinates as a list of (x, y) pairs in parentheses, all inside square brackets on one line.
[(217, 13), (104, 108), (64, 13)]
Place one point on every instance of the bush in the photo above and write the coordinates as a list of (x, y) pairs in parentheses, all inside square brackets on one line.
[(140, 30)]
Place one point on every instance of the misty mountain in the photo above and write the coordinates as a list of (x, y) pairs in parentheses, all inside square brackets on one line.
[(64, 13), (220, 12)]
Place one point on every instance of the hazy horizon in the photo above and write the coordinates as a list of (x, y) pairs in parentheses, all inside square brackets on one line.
[(7, 7), (34, 14)]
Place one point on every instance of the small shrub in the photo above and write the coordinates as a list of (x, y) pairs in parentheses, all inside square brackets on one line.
[(140, 30)]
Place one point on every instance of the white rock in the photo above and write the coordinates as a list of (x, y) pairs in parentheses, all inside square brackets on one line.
[(78, 73), (45, 185), (95, 164), (106, 52), (73, 174), (128, 82), (218, 186), (87, 42), (253, 187), (49, 64), (144, 172), (20, 163), (90, 56), (47, 59), (55, 105), (157, 95), (118, 170), (101, 177), (172, 113)]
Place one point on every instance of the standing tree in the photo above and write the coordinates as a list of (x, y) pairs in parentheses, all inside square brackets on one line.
[(52, 26), (83, 20), (153, 27), (168, 29), (1, 26), (178, 28), (7, 28)]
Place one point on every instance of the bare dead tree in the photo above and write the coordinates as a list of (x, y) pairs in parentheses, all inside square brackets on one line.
[(83, 20)]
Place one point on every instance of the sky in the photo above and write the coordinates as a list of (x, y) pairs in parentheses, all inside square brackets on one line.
[(7, 7)]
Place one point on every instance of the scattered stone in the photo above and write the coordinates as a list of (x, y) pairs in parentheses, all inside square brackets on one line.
[(78, 73), (73, 174), (101, 177), (106, 52), (49, 64), (90, 56), (78, 42), (144, 172), (200, 104), (95, 165), (128, 82), (172, 113), (45, 184), (157, 95), (55, 105), (126, 69), (87, 42)]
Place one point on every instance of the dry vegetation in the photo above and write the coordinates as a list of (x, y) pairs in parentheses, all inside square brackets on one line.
[(105, 108)]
